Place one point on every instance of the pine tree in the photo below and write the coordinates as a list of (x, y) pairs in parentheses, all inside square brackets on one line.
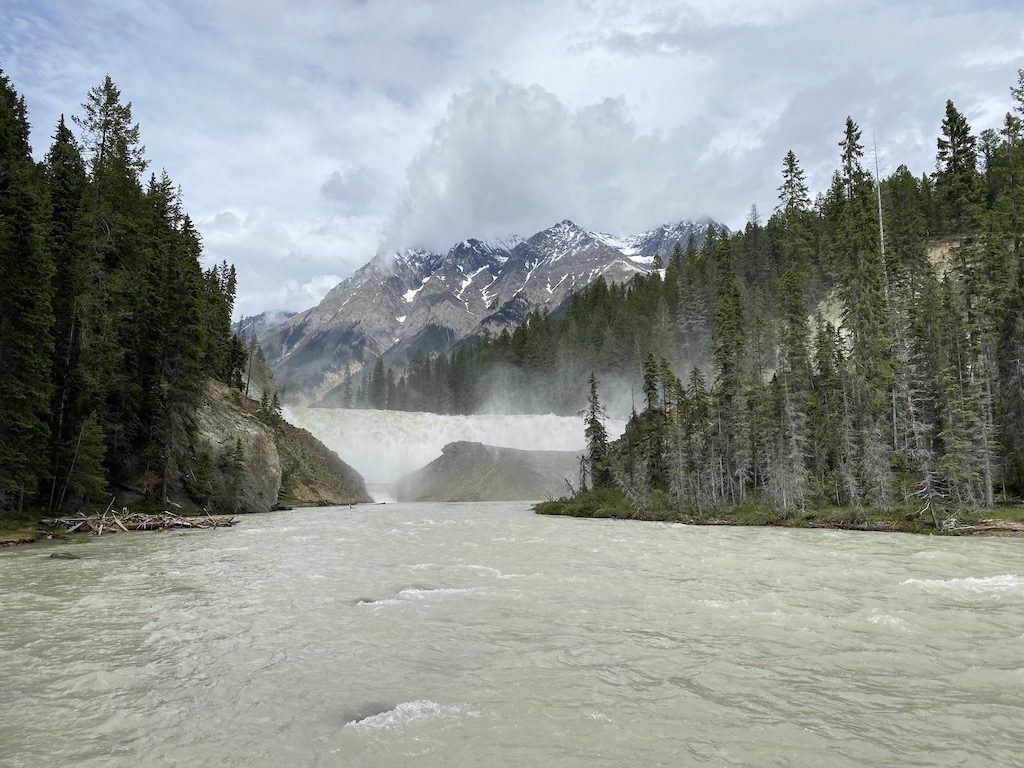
[(793, 220), (866, 318), (957, 182), (26, 312), (728, 354), (650, 381), (346, 401), (597, 438), (110, 136), (377, 386), (115, 211), (831, 460), (788, 486), (84, 479), (793, 194), (692, 310), (74, 278), (182, 369)]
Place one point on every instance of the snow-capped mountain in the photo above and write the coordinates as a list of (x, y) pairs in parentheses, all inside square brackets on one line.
[(414, 300)]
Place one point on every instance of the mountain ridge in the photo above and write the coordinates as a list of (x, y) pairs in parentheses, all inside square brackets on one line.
[(418, 301)]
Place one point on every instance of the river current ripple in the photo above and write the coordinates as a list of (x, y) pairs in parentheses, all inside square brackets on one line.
[(483, 635)]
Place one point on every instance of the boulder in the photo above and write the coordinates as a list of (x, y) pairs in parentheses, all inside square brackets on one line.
[(476, 472)]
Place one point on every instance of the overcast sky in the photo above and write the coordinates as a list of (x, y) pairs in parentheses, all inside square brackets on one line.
[(307, 135)]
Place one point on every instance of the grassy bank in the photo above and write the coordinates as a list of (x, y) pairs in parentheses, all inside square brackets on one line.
[(609, 503), (11, 534)]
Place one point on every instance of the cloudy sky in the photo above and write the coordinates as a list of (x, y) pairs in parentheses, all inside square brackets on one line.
[(308, 135)]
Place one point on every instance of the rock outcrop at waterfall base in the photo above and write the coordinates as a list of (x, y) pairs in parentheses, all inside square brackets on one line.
[(279, 464), (475, 472)]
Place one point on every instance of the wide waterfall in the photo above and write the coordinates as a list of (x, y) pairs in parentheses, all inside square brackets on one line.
[(385, 445)]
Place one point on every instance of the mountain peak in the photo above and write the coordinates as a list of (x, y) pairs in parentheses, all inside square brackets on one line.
[(415, 301)]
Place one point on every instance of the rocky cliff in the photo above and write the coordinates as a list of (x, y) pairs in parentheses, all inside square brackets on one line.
[(475, 472), (247, 462)]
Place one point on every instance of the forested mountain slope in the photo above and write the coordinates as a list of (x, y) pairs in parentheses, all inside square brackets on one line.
[(745, 391)]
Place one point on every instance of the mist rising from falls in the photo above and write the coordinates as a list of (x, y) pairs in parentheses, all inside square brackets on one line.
[(385, 445)]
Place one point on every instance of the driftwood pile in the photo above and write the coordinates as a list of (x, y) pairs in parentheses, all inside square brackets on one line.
[(991, 528), (124, 521)]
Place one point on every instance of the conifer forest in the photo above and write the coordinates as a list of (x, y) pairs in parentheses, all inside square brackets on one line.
[(857, 347), (108, 321)]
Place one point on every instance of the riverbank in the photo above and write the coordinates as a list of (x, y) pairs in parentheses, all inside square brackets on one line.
[(1003, 520), (16, 533)]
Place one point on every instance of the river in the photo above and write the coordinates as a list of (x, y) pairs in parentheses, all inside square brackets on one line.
[(483, 635)]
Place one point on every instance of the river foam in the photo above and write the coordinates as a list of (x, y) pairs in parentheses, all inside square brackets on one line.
[(405, 713), (1004, 584)]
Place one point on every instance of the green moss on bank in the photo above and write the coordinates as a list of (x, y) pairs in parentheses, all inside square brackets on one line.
[(21, 534)]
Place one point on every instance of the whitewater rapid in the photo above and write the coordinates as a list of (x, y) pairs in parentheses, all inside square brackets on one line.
[(383, 446)]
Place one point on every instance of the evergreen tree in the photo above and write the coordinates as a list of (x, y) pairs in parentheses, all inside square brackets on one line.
[(650, 381), (597, 437), (26, 312), (346, 401), (957, 182), (788, 476), (793, 194), (74, 276), (866, 317), (377, 386)]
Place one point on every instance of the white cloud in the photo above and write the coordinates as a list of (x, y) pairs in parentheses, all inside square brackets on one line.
[(510, 158), (312, 123), (287, 263), (354, 189)]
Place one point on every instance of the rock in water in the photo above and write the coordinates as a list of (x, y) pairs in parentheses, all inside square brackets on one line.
[(64, 556), (475, 472)]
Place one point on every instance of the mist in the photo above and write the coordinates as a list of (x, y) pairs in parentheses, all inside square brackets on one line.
[(383, 446), (506, 389)]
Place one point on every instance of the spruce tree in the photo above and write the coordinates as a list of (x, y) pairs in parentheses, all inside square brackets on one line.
[(377, 385), (182, 369), (597, 437), (793, 194), (957, 182), (788, 486), (26, 311), (866, 318), (650, 381), (73, 286), (728, 354)]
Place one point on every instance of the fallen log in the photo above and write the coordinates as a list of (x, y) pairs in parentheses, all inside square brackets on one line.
[(991, 528), (112, 522)]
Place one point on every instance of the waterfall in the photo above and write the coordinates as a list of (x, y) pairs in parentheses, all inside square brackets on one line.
[(385, 445)]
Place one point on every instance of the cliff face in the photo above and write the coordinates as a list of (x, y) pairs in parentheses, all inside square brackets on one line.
[(312, 473), (246, 464), (476, 472)]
